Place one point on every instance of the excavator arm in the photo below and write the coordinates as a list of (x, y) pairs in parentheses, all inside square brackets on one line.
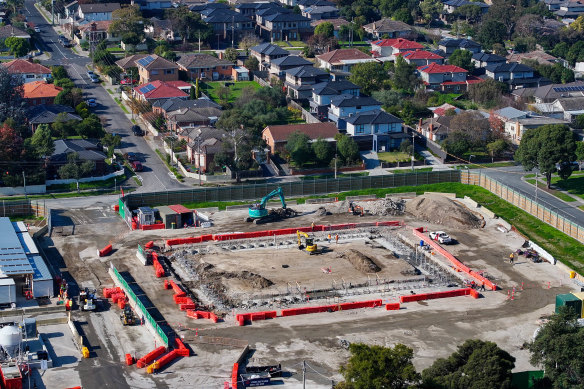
[(274, 193)]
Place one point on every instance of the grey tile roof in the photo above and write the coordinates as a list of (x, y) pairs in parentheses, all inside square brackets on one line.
[(509, 113), (306, 71), (353, 101), (333, 87), (291, 60), (464, 43), (373, 117), (174, 104), (509, 67), (201, 61), (63, 147), (47, 114), (269, 49), (486, 57), (99, 7)]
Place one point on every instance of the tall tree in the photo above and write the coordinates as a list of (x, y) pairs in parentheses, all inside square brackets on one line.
[(323, 151), (347, 148), (462, 58), (248, 41), (43, 141), (128, 20), (546, 147), (491, 32), (231, 54), (12, 144), (475, 365), (404, 76), (252, 63), (19, 47), (298, 145), (326, 28), (430, 9), (11, 104), (379, 367), (188, 24), (369, 76)]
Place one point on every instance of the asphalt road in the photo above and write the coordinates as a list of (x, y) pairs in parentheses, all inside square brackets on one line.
[(155, 176)]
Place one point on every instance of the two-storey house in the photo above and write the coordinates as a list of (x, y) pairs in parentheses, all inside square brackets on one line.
[(391, 28), (391, 47), (570, 9), (440, 77), (422, 57), (337, 23), (376, 130), (323, 92), (482, 59), (321, 12), (342, 60), (265, 53), (154, 67), (345, 106), (285, 26), (154, 5), (299, 81), (205, 67), (96, 11), (227, 23), (448, 46), (279, 66), (515, 75)]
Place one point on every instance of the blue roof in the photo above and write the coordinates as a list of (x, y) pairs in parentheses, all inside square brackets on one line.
[(41, 271), (13, 260)]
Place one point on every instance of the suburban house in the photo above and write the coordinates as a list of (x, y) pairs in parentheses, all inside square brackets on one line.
[(130, 62), (342, 60), (97, 31), (156, 90), (205, 67), (451, 6), (540, 56), (9, 30), (376, 130), (165, 106), (27, 69), (205, 143), (227, 23), (514, 129), (563, 108), (444, 110), (482, 59), (279, 66), (282, 26), (570, 9), (315, 12), (153, 67), (240, 73), (344, 106), (192, 116), (323, 93), (250, 9), (337, 23), (40, 92), (85, 150), (276, 137), (299, 81), (446, 78), (154, 5), (71, 9), (265, 53), (161, 29), (515, 75), (391, 28), (448, 46), (552, 92), (422, 57), (47, 114), (303, 4), (94, 12), (435, 129), (391, 47)]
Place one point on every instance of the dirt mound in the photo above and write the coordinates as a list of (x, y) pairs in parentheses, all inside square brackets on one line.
[(388, 206), (439, 209), (360, 261), (250, 279)]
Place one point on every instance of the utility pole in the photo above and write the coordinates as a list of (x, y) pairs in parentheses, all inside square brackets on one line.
[(413, 140), (303, 374), (199, 33), (336, 157), (536, 204), (24, 180), (199, 157), (232, 29), (52, 12)]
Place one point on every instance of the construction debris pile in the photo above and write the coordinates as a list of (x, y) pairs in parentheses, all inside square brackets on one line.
[(387, 206), (360, 261), (438, 209)]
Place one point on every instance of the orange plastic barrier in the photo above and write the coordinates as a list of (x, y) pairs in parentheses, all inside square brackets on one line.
[(157, 266), (331, 308), (129, 360), (392, 307), (182, 350), (108, 292), (177, 289), (234, 377), (184, 307), (436, 295), (254, 316), (164, 360), (475, 294), (106, 250), (159, 226), (152, 355), (457, 264), (149, 245), (122, 303)]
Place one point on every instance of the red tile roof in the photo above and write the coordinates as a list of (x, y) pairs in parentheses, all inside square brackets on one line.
[(441, 110), (420, 54), (399, 43), (24, 66), (40, 89), (436, 68), (336, 56), (313, 130), (162, 89)]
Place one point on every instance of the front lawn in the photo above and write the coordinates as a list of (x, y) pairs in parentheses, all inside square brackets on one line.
[(574, 184), (285, 44), (394, 156), (212, 88)]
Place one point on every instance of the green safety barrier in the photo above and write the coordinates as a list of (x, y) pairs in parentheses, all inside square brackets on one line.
[(140, 249), (140, 305)]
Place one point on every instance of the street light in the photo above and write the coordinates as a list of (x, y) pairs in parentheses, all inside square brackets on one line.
[(413, 139), (470, 158)]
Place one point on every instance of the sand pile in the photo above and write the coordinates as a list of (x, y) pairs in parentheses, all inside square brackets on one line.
[(442, 210), (360, 261)]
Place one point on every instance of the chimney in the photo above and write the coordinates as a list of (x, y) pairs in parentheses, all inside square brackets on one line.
[(431, 128), (420, 125)]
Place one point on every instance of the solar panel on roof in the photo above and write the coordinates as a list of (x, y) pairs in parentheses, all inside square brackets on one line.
[(147, 88), (579, 88), (145, 61)]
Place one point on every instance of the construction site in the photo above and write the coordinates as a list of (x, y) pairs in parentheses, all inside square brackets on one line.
[(236, 303)]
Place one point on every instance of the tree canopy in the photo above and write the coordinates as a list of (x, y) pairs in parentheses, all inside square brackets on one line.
[(12, 104), (128, 20), (327, 29), (43, 141), (369, 76), (546, 147), (298, 146), (19, 47), (462, 58)]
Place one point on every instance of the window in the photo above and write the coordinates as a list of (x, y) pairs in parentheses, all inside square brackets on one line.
[(169, 71), (30, 76), (154, 72), (360, 129)]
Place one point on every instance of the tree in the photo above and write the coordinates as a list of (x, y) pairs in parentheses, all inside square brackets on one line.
[(252, 63), (457, 142), (430, 9), (497, 147), (487, 93), (62, 127), (231, 54), (369, 76), (70, 97), (326, 28), (248, 41), (43, 141), (406, 146), (545, 147), (388, 97), (558, 348), (499, 49), (379, 367), (323, 151), (12, 144), (90, 127), (491, 32), (128, 20), (462, 58), (197, 89), (298, 145), (131, 38), (403, 15), (223, 93), (19, 47), (318, 44), (470, 12), (74, 168), (65, 83), (11, 104), (192, 93), (82, 109), (188, 24), (59, 72), (347, 148), (580, 152), (578, 24), (404, 76), (475, 364)]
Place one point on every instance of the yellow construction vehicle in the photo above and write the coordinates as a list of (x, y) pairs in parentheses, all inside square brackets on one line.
[(309, 246)]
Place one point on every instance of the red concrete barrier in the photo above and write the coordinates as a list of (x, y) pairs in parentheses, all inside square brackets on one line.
[(129, 360), (234, 376), (167, 358), (392, 307), (431, 296), (202, 315), (184, 307), (106, 250), (182, 350), (152, 355), (475, 294), (159, 226), (149, 245)]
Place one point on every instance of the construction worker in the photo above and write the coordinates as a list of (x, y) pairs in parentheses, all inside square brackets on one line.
[(511, 258), (337, 238), (329, 237), (312, 226)]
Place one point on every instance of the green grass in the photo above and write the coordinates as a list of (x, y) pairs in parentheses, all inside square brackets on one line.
[(109, 183), (424, 169), (486, 165), (138, 182), (293, 43), (110, 91), (581, 207), (67, 195), (211, 89), (556, 193), (573, 185), (122, 106), (170, 167), (529, 176), (394, 156)]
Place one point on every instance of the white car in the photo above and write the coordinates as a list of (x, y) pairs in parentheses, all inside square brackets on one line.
[(441, 236), (36, 29)]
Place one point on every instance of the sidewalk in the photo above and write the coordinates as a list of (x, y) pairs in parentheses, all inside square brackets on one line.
[(575, 204)]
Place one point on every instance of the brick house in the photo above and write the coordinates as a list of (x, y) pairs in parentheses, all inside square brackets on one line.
[(40, 92), (153, 67), (389, 47), (446, 78), (276, 137), (156, 90), (205, 67), (29, 70), (342, 60), (422, 57)]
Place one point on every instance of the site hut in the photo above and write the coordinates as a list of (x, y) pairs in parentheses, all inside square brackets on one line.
[(20, 261), (175, 216), (145, 216)]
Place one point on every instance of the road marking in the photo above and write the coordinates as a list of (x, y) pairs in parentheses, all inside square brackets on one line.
[(79, 74)]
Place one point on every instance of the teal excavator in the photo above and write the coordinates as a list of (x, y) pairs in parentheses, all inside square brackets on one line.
[(258, 213)]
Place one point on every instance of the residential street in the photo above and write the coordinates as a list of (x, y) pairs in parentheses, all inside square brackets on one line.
[(155, 176)]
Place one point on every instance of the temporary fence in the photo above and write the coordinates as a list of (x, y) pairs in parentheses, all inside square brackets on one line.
[(283, 231), (459, 266), (145, 313), (438, 295)]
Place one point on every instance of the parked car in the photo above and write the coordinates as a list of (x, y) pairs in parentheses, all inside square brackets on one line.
[(36, 29), (441, 236), (137, 130), (128, 81), (137, 166), (91, 103), (131, 157), (64, 41)]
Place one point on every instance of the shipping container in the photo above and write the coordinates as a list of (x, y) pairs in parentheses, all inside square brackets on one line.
[(580, 295), (569, 300), (170, 218), (7, 291)]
